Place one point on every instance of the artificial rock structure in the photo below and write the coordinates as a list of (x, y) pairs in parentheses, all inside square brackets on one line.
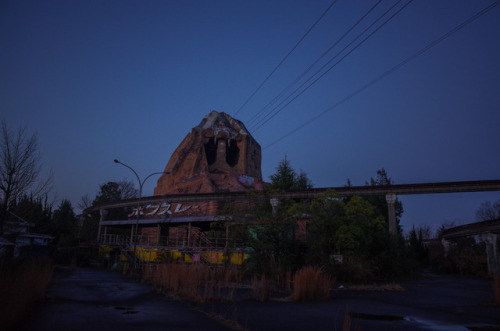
[(218, 155)]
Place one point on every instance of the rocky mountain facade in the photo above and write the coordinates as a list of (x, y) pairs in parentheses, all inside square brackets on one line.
[(218, 155)]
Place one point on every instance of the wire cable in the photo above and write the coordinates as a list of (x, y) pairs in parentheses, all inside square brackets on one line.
[(284, 59), (392, 70), (261, 111), (277, 111)]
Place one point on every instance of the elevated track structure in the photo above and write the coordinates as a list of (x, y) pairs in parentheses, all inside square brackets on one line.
[(161, 213), (389, 191)]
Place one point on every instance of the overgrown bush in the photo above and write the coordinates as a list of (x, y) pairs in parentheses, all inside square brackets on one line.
[(311, 283), (465, 258), (353, 271)]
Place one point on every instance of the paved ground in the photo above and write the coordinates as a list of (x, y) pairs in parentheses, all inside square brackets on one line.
[(92, 299), (437, 303)]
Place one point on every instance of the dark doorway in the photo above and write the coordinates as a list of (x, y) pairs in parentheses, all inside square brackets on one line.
[(211, 151), (232, 153)]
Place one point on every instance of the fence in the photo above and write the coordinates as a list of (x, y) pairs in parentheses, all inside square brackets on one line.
[(198, 241)]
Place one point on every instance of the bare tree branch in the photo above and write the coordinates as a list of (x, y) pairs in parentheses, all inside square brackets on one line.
[(19, 168)]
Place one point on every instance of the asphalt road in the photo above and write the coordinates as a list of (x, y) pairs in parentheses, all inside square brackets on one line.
[(432, 303), (93, 299)]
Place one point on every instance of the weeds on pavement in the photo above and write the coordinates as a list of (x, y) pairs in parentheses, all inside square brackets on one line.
[(194, 281), (22, 283)]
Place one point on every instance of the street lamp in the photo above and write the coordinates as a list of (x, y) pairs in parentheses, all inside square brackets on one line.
[(141, 183)]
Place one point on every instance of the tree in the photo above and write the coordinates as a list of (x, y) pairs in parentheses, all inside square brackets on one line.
[(380, 202), (488, 211), (302, 182), (36, 210), (286, 178), (443, 227), (108, 192), (327, 215), (343, 226), (115, 191), (127, 190), (415, 239), (63, 220), (67, 232), (273, 248), (19, 168), (85, 202), (382, 178)]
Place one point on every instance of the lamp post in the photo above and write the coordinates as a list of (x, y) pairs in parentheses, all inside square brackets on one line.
[(141, 184)]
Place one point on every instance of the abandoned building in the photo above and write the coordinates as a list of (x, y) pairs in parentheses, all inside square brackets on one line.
[(217, 156), (214, 171), (18, 240)]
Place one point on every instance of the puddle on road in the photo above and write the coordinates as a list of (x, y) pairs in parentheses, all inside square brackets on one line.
[(127, 310), (373, 317), (436, 326), (426, 324)]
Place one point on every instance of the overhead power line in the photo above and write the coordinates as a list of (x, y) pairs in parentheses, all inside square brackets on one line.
[(256, 117), (284, 59), (392, 70), (277, 109)]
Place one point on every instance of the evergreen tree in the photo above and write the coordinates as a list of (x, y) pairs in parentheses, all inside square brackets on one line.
[(113, 192), (63, 221), (37, 211), (380, 202), (108, 192), (286, 178)]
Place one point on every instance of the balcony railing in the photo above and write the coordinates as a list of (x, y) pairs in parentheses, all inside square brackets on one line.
[(200, 242)]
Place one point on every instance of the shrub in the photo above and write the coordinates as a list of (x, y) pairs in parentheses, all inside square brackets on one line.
[(311, 283), (353, 271)]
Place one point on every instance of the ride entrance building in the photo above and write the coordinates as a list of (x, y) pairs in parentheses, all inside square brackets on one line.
[(219, 156)]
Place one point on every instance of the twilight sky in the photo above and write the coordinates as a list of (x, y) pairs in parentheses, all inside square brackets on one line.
[(99, 80)]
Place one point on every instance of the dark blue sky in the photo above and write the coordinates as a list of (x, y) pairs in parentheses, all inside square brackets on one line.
[(99, 80)]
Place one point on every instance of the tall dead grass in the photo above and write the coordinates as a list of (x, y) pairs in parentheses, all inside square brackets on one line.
[(194, 281), (260, 288), (20, 287), (202, 283), (496, 289), (311, 283)]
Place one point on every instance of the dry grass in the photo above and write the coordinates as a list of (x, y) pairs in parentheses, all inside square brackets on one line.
[(20, 288), (194, 281), (260, 288), (496, 289), (311, 283), (346, 325)]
